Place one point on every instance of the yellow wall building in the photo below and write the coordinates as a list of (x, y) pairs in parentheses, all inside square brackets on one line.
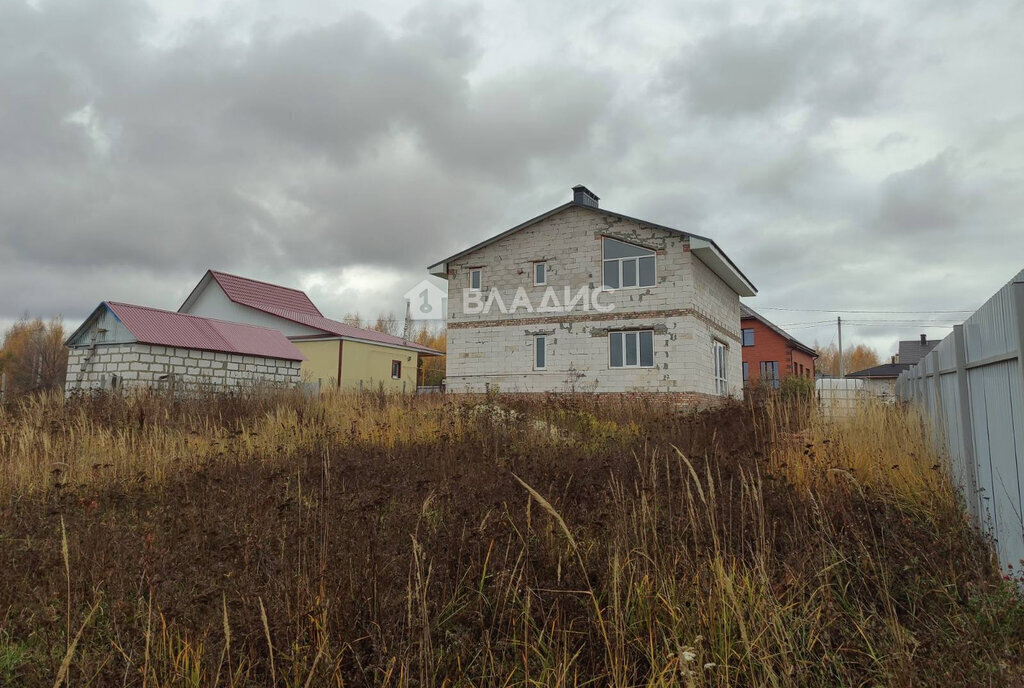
[(359, 365), (337, 354)]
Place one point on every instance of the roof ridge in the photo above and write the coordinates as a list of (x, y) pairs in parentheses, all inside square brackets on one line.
[(356, 327), (190, 315), (264, 282)]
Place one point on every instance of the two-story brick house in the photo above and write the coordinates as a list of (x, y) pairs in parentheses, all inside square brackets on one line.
[(770, 353), (585, 299)]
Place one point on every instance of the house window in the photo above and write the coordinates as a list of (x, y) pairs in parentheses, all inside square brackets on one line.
[(748, 337), (626, 265), (770, 373), (540, 352), (474, 278), (718, 351), (631, 349), (746, 372), (540, 274), (396, 370)]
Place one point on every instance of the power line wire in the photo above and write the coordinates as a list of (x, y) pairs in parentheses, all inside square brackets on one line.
[(826, 310)]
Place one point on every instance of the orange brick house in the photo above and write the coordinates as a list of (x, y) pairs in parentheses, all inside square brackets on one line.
[(770, 353)]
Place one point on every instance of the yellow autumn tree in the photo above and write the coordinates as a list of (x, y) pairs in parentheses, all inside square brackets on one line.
[(855, 358), (33, 357), (432, 368)]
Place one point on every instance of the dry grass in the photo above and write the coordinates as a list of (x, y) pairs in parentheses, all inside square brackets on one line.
[(513, 541)]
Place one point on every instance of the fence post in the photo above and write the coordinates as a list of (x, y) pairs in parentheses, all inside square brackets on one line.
[(966, 423)]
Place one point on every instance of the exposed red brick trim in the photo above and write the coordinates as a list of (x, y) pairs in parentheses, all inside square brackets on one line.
[(598, 317)]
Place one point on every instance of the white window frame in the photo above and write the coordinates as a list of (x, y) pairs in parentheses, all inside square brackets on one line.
[(543, 282), (635, 333), (654, 255), (542, 338), (720, 358), (479, 273)]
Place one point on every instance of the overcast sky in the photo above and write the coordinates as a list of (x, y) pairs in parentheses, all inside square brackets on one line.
[(854, 156)]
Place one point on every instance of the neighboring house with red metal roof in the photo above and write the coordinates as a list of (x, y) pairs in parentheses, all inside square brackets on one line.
[(121, 344), (337, 354)]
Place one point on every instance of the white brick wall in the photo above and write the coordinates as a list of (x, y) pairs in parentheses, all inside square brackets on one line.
[(144, 365), (689, 307)]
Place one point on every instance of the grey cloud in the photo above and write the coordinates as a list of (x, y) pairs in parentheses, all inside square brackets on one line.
[(825, 62), (335, 145), (930, 198)]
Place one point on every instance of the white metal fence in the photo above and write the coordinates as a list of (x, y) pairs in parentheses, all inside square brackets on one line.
[(972, 388)]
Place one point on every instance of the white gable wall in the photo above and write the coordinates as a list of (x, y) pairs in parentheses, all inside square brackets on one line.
[(212, 302)]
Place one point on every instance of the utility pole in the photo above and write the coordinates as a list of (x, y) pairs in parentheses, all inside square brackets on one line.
[(842, 368)]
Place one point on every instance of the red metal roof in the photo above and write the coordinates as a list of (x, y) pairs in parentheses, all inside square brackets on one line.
[(294, 305), (347, 331), (256, 294), (167, 328)]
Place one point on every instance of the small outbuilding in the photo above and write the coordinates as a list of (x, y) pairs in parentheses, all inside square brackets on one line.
[(122, 345)]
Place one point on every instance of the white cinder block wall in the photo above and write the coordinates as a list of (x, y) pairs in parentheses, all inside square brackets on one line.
[(688, 308), (145, 365)]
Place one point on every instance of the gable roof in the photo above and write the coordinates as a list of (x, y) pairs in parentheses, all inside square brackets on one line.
[(295, 306), (748, 312), (705, 249), (254, 293), (913, 350), (886, 370), (346, 331), (167, 328)]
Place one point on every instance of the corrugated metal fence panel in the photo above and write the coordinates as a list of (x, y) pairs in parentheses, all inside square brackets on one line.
[(992, 330), (984, 430), (1015, 552), (954, 437), (946, 351)]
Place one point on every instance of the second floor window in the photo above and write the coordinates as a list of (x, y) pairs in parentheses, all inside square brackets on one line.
[(474, 278), (540, 273), (626, 265), (748, 338)]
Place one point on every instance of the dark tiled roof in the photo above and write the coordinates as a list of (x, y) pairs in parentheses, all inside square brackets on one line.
[(912, 350), (886, 370), (748, 312)]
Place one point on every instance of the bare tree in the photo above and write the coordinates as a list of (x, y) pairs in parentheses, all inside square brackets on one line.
[(387, 323)]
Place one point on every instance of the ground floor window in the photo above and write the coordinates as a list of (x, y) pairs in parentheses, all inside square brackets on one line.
[(540, 352), (396, 370), (770, 373), (718, 350), (633, 349), (746, 372)]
